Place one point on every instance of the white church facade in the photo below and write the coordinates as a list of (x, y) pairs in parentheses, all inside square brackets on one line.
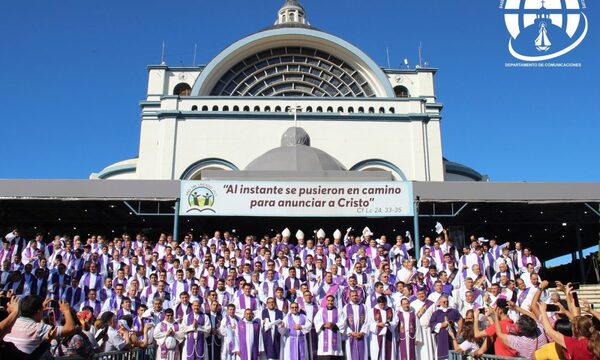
[(337, 108)]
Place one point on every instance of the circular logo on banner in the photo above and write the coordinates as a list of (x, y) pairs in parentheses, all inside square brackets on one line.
[(201, 198), (544, 29)]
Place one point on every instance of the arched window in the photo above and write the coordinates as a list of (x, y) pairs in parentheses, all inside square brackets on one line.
[(309, 109), (401, 91), (392, 111), (319, 109), (215, 108), (195, 108), (350, 110), (381, 110), (182, 89), (267, 109), (330, 109), (371, 110), (225, 108), (236, 108), (277, 108), (361, 110), (340, 109), (205, 108), (246, 108), (257, 109)]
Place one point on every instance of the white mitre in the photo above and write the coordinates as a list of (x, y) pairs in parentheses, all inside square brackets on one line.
[(320, 234), (367, 232), (286, 233), (299, 235), (337, 234)]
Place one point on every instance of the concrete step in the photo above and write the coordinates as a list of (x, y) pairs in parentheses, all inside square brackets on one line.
[(590, 293)]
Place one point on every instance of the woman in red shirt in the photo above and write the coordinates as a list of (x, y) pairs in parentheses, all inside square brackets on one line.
[(576, 346)]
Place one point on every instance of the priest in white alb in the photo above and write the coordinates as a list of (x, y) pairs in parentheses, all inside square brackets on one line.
[(329, 325), (295, 328), (383, 321), (357, 328), (249, 337), (197, 326), (168, 335)]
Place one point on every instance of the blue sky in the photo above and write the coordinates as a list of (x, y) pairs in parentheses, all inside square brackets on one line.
[(74, 72)]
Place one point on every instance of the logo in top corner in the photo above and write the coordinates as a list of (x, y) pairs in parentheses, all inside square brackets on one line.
[(200, 198), (542, 30)]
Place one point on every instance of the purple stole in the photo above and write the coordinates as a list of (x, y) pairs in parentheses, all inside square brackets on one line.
[(297, 346), (71, 295), (195, 346), (243, 302), (266, 289), (43, 287), (402, 338), (404, 251), (231, 341), (244, 351), (522, 296), (185, 287), (272, 338), (31, 253), (149, 291), (113, 302), (121, 313), (464, 262), (220, 274), (377, 261), (388, 337), (428, 303), (97, 306), (331, 291), (524, 261), (363, 277), (225, 299), (443, 339), (163, 348), (329, 332), (489, 271), (290, 285), (285, 306), (438, 255), (56, 284), (346, 295), (495, 252), (429, 282), (179, 311), (452, 276), (104, 294), (86, 282), (138, 326), (357, 346)]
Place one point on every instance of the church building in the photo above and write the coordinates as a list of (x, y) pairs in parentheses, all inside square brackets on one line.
[(290, 99)]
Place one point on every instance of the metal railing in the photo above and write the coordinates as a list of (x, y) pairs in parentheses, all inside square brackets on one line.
[(133, 354), (453, 355)]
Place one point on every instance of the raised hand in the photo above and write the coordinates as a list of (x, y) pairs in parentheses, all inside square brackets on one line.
[(13, 305), (585, 306), (64, 307)]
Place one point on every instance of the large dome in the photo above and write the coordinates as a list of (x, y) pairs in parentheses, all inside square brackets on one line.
[(292, 58), (295, 154)]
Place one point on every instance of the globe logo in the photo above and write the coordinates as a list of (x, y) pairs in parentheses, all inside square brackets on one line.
[(544, 29)]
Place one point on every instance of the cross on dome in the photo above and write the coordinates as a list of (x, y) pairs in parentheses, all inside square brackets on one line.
[(291, 12)]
